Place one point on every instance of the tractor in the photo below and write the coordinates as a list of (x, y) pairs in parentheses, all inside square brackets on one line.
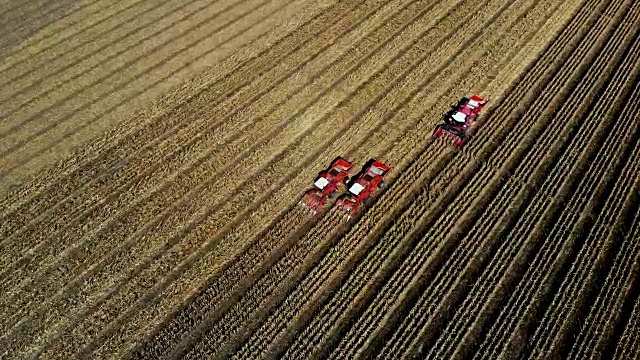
[(326, 184), (362, 186), (458, 120)]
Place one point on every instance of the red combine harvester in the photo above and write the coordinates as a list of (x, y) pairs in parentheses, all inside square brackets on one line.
[(326, 184), (362, 186), (459, 119)]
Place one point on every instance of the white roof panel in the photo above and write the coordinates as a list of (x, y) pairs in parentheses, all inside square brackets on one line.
[(321, 183), (356, 189), (459, 117)]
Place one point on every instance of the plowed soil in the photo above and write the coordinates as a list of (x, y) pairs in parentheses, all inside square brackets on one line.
[(153, 155)]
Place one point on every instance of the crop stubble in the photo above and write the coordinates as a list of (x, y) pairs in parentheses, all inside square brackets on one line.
[(177, 233)]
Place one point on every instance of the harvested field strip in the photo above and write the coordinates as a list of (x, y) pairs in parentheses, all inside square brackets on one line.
[(27, 110), (52, 104), (20, 87), (123, 261), (124, 149), (261, 339), (65, 27), (68, 47), (183, 66), (16, 27)]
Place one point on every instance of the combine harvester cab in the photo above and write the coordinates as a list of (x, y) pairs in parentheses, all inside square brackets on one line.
[(458, 121), (362, 186), (326, 185)]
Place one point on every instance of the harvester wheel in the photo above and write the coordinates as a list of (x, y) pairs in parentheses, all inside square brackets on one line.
[(383, 185)]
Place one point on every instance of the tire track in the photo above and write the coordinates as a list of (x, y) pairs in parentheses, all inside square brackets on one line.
[(117, 107), (29, 48), (62, 32)]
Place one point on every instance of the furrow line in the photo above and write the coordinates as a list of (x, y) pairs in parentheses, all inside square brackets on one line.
[(333, 331), (590, 249), (75, 22), (41, 75), (617, 320), (627, 346), (597, 329), (426, 305), (14, 135), (168, 124), (356, 341), (537, 230), (574, 209), (524, 285), (456, 297)]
